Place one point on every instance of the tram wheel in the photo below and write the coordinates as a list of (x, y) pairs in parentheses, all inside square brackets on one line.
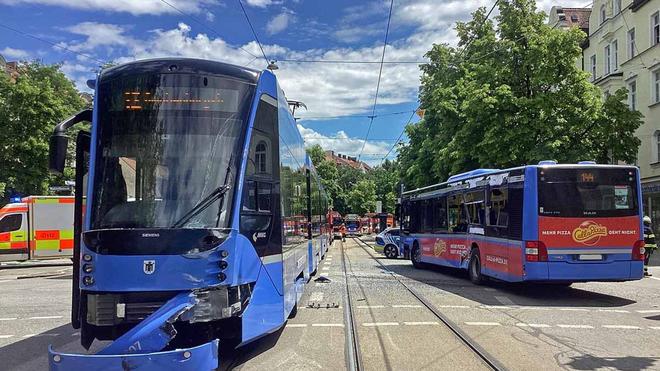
[(474, 268), (390, 252)]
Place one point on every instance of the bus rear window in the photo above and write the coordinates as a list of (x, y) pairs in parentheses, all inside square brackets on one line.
[(587, 192)]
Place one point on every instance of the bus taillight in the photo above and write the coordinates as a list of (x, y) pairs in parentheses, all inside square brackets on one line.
[(535, 251), (638, 250)]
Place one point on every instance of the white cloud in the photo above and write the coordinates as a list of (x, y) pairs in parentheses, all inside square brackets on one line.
[(97, 35), (373, 152), (135, 7), (260, 3), (14, 53), (280, 22)]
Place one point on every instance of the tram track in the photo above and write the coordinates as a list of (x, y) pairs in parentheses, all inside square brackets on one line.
[(353, 357), (481, 353)]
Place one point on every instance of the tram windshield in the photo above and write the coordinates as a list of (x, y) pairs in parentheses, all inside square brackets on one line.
[(164, 144)]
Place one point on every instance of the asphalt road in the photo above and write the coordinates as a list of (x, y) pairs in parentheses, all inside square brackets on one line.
[(592, 326)]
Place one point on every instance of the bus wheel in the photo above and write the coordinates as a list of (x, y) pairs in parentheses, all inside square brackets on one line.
[(416, 257), (474, 268), (390, 252)]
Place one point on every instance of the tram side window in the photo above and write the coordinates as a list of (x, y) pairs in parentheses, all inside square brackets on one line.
[(11, 223)]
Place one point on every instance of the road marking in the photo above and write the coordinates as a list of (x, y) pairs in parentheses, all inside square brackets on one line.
[(494, 307), (316, 296), (420, 323), (504, 300), (5, 336), (3, 281), (655, 278), (626, 327), (327, 325), (574, 309), (8, 319), (75, 334), (370, 306), (614, 310), (654, 327), (533, 325), (374, 324), (45, 317), (453, 306), (296, 325), (648, 311), (483, 323), (325, 268), (488, 289), (533, 308), (406, 306), (575, 326)]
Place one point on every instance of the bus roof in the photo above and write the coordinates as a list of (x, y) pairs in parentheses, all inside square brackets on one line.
[(482, 173)]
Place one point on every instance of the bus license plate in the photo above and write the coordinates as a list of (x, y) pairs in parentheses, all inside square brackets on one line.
[(590, 257)]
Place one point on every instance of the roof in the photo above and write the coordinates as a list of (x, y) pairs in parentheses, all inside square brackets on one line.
[(344, 160), (182, 65), (573, 17)]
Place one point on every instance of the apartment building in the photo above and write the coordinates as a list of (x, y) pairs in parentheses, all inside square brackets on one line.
[(624, 51)]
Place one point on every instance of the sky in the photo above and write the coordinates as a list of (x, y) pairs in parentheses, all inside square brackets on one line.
[(81, 34)]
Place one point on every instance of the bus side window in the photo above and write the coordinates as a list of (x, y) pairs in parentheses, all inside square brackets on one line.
[(458, 221), (515, 212)]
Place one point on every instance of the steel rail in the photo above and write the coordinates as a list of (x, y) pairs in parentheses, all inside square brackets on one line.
[(352, 349), (488, 359)]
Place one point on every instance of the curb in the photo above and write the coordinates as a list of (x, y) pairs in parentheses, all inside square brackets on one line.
[(27, 266)]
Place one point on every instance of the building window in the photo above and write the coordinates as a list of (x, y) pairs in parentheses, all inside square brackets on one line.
[(603, 15), (656, 86), (260, 157), (608, 60), (631, 43), (615, 55), (656, 146), (617, 6), (632, 95), (655, 29), (593, 67)]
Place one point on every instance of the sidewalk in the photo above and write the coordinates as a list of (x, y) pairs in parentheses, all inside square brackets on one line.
[(35, 263)]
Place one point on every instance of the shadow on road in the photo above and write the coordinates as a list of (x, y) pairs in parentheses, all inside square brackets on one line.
[(589, 362), (32, 352), (232, 358), (523, 294)]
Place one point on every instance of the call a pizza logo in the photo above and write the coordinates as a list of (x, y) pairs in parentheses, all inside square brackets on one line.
[(439, 247), (589, 233)]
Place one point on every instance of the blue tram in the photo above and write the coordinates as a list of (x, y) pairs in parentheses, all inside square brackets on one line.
[(199, 216)]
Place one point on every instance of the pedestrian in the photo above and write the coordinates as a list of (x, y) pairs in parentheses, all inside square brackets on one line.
[(649, 244), (342, 230)]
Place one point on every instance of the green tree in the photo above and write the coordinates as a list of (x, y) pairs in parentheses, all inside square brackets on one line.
[(30, 107), (361, 198), (386, 181), (510, 95), (327, 171)]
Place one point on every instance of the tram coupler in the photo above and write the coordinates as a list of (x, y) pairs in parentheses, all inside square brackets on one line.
[(141, 348)]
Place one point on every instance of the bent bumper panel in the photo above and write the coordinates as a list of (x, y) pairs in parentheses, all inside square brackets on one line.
[(202, 357)]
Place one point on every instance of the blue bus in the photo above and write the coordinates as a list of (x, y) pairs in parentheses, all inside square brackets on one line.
[(197, 214), (550, 222)]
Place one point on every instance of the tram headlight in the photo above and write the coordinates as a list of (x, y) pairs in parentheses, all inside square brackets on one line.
[(223, 264), (88, 280), (88, 268), (87, 258), (224, 253), (222, 276)]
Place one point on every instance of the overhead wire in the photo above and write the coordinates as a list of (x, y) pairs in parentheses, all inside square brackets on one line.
[(380, 74), (353, 116), (203, 24), (399, 138), (254, 33), (52, 44), (347, 61)]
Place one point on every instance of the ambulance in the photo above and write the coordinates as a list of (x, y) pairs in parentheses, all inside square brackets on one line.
[(38, 227)]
